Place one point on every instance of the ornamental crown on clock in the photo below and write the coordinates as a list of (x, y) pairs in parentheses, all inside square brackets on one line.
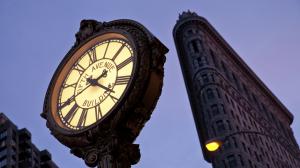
[(95, 83)]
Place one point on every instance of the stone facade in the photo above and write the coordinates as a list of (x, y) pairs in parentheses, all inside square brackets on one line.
[(230, 102)]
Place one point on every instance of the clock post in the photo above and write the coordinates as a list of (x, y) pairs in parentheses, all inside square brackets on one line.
[(105, 90)]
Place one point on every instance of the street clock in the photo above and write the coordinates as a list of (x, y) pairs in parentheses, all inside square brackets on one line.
[(104, 90)]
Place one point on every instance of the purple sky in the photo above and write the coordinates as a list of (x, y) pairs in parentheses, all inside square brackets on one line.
[(35, 35)]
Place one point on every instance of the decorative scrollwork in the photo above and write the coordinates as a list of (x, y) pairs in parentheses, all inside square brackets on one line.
[(87, 29), (91, 158)]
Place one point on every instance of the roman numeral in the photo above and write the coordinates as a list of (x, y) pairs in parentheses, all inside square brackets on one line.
[(124, 63), (98, 112), (118, 52), (82, 118), (71, 85), (64, 104), (79, 68), (122, 80), (106, 49), (71, 113), (114, 99), (92, 55)]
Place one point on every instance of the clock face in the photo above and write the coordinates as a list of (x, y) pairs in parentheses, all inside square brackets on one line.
[(93, 82)]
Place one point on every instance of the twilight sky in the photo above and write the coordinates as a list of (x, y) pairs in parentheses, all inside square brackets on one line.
[(35, 35)]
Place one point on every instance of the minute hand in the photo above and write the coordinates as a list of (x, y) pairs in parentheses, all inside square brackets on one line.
[(104, 87)]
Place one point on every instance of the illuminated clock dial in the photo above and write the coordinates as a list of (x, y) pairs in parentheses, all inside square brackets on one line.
[(95, 83)]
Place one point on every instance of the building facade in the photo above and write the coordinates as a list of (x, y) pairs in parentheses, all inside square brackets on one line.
[(17, 150), (231, 103)]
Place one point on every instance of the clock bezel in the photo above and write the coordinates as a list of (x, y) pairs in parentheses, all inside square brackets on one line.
[(67, 64)]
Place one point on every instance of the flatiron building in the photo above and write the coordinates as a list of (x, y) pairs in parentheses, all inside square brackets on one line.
[(229, 102)]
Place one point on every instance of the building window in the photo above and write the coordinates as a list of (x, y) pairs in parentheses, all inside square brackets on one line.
[(249, 151), (256, 156), (250, 163), (3, 134), (195, 46), (234, 142), (229, 125), (223, 108), (255, 101), (224, 163), (233, 105), (205, 78), (203, 98), (218, 93), (3, 153), (3, 163), (246, 90), (214, 58), (212, 77), (214, 109), (232, 161), (224, 67), (227, 145), (236, 81), (239, 120), (210, 93), (250, 139), (241, 160), (202, 61), (214, 130), (227, 99), (244, 146), (220, 126)]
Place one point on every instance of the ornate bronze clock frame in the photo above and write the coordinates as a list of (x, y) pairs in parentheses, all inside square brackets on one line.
[(105, 90)]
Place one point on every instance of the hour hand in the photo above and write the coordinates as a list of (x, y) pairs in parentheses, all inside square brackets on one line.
[(104, 74), (91, 81)]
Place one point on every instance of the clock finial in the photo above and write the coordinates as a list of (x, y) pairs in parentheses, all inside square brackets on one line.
[(87, 29)]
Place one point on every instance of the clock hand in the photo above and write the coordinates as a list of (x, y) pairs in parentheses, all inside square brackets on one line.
[(104, 87), (69, 100), (104, 74), (94, 82)]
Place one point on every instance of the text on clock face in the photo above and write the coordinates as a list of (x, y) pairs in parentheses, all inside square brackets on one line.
[(95, 83)]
